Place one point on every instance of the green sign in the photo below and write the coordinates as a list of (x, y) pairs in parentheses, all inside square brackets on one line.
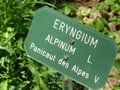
[(71, 48)]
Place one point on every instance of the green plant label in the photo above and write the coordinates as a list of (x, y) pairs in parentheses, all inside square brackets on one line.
[(71, 48)]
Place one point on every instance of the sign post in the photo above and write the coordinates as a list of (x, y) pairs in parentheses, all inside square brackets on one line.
[(67, 83), (71, 48)]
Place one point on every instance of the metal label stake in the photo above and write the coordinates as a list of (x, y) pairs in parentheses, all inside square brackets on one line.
[(67, 83)]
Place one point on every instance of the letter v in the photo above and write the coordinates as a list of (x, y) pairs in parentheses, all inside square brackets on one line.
[(96, 79)]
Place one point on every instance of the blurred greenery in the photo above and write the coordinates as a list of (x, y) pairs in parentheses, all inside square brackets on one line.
[(17, 71)]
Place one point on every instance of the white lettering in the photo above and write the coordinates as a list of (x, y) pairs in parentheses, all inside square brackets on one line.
[(56, 24), (72, 50), (93, 42), (32, 45), (79, 71), (60, 44), (42, 52), (67, 28), (62, 25), (78, 34), (72, 32), (75, 33), (47, 38), (96, 79), (74, 68), (88, 60), (86, 40), (56, 41)]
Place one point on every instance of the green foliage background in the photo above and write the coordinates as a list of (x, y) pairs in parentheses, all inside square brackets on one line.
[(17, 71)]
